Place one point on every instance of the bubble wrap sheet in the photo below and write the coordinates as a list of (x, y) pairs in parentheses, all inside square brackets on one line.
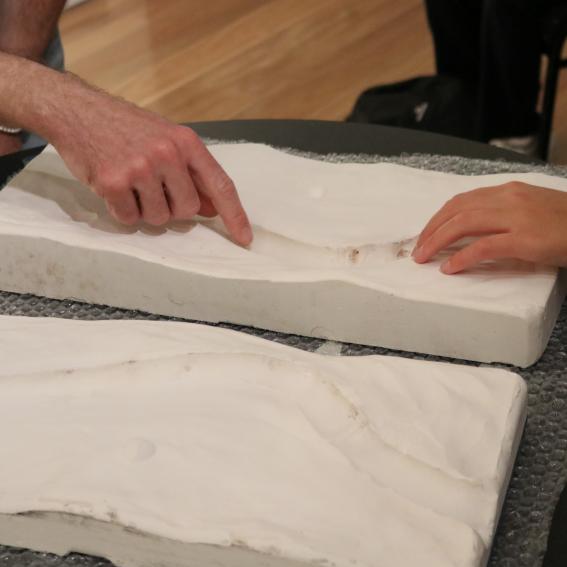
[(541, 467)]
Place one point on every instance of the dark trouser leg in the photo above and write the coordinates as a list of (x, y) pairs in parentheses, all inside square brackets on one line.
[(455, 26), (510, 65)]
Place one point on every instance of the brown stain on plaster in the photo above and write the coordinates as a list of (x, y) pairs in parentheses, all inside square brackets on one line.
[(354, 255)]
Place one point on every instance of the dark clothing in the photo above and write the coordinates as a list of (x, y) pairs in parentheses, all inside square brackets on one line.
[(494, 46)]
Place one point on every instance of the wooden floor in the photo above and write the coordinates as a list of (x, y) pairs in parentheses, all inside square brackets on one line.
[(193, 60)]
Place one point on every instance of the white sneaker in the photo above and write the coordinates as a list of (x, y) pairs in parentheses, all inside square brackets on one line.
[(526, 145)]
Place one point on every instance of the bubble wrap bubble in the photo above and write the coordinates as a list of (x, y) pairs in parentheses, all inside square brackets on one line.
[(541, 467)]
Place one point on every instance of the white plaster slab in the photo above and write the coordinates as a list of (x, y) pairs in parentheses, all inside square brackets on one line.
[(330, 258), (177, 444)]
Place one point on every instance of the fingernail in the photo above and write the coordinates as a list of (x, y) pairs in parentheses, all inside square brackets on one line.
[(418, 254), (247, 235), (446, 267)]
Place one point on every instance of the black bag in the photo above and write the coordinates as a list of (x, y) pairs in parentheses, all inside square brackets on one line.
[(436, 104)]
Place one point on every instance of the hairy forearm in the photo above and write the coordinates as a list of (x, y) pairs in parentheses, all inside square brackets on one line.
[(37, 98), (27, 26), (143, 166), (59, 106)]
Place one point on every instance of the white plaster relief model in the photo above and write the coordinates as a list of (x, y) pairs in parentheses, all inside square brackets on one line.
[(178, 444), (330, 258)]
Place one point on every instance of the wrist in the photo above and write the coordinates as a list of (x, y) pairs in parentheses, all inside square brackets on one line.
[(36, 98), (10, 130), (52, 112), (72, 110)]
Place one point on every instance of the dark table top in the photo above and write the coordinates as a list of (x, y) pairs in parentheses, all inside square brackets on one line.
[(323, 138), (334, 137), (347, 138)]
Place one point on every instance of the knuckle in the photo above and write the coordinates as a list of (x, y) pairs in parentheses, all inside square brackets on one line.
[(463, 218), (457, 199), (128, 218), (517, 190), (186, 136), (158, 218), (164, 151), (187, 212), (188, 133), (224, 186), (109, 185), (140, 168), (512, 186), (193, 210)]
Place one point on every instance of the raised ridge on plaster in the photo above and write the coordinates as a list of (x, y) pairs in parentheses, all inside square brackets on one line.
[(204, 444), (330, 257)]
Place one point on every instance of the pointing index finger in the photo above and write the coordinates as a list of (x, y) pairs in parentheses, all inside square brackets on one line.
[(214, 183)]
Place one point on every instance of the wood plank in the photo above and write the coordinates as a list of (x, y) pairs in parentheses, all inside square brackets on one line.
[(223, 59), (113, 50), (254, 32)]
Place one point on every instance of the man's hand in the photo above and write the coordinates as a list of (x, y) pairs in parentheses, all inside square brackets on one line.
[(515, 220), (143, 166), (9, 144)]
